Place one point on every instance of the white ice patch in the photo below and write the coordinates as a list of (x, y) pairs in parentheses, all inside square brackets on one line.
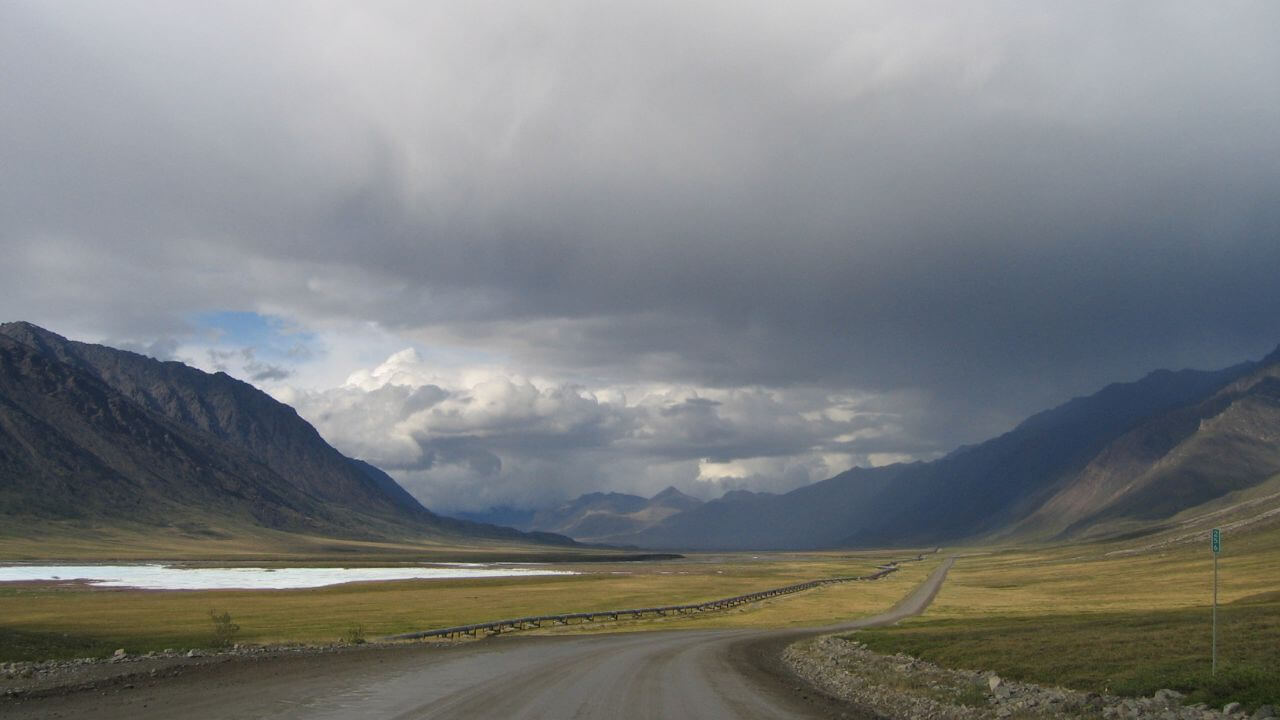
[(165, 577)]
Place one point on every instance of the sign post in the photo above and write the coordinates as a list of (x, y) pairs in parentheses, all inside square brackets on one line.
[(1215, 542)]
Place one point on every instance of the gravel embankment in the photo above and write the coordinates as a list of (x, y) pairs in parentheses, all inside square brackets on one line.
[(899, 686), (54, 677)]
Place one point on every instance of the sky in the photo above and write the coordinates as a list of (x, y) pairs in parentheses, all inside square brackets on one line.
[(514, 252)]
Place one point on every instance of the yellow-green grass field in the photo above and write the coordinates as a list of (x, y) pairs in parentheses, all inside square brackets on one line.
[(51, 620), (824, 605), (1104, 617)]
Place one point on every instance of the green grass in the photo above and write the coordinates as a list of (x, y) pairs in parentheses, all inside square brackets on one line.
[(1133, 653), (17, 644), (1098, 617)]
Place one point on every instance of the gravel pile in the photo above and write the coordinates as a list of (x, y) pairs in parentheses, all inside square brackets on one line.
[(900, 686)]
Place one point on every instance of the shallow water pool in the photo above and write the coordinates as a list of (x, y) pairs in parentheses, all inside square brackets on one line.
[(168, 577)]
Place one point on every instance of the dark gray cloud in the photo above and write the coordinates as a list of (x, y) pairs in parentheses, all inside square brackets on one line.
[(240, 362), (265, 372), (219, 359), (164, 348), (260, 371), (970, 211)]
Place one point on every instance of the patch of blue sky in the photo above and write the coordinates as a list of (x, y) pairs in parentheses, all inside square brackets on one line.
[(313, 359), (272, 338)]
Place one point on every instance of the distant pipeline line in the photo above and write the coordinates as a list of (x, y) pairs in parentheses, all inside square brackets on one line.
[(496, 627)]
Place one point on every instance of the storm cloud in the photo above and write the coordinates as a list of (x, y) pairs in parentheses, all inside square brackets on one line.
[(733, 215)]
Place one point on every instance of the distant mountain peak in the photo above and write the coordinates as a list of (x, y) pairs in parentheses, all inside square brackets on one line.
[(30, 333), (669, 492), (673, 499), (600, 516), (1272, 359), (22, 324)]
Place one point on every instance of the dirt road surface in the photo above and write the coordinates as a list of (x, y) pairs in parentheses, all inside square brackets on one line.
[(625, 676)]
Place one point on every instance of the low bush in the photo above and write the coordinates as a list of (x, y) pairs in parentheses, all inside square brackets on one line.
[(224, 631)]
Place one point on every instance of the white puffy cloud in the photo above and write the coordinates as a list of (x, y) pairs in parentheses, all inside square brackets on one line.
[(471, 437)]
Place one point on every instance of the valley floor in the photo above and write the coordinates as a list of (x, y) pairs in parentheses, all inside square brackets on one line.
[(1123, 618), (713, 673), (71, 620), (1119, 618)]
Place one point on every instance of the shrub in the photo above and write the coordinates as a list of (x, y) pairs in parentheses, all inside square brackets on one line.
[(354, 634), (224, 631)]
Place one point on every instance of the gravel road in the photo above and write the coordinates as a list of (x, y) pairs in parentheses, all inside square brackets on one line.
[(673, 674)]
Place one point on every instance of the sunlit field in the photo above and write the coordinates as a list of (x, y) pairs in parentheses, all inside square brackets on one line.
[(1102, 617), (73, 620)]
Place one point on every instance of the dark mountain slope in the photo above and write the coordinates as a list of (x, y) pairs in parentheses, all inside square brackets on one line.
[(1178, 460), (71, 447), (973, 492), (673, 499), (232, 411), (87, 431), (980, 490), (498, 515), (817, 515)]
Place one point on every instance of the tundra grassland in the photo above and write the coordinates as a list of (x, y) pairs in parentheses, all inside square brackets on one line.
[(825, 605), (1127, 618), (62, 620)]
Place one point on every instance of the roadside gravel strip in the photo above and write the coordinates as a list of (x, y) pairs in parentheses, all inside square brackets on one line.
[(901, 686), (649, 675)]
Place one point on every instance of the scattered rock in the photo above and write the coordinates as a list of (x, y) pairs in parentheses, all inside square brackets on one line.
[(1263, 712), (902, 686), (110, 673), (1231, 708)]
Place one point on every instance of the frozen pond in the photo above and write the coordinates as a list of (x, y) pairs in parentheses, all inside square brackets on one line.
[(166, 577)]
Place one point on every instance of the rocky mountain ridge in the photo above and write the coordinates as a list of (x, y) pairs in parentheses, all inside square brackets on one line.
[(1121, 460), (98, 435), (597, 517)]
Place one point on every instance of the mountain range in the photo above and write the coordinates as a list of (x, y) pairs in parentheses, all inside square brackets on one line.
[(1126, 459), (100, 436), (595, 517)]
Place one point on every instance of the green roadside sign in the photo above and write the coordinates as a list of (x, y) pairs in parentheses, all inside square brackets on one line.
[(1215, 542)]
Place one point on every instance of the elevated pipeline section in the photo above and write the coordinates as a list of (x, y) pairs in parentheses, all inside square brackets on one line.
[(495, 627)]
